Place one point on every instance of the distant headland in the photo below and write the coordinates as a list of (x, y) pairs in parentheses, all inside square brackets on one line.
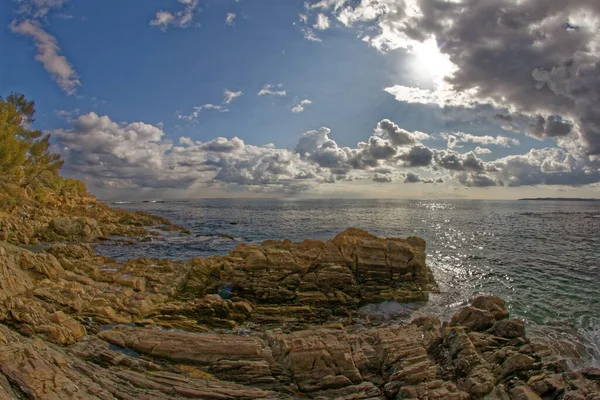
[(559, 199)]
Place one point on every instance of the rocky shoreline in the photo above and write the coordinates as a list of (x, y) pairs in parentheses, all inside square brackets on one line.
[(275, 321)]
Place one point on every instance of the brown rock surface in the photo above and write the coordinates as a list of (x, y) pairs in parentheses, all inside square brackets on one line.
[(275, 321)]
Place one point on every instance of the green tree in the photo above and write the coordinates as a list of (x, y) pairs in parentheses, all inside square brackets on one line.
[(13, 150), (25, 154)]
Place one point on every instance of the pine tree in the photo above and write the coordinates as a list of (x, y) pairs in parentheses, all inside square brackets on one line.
[(25, 154)]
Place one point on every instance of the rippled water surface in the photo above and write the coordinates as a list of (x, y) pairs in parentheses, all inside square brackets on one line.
[(542, 257)]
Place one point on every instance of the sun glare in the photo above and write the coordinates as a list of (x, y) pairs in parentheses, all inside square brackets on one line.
[(428, 63)]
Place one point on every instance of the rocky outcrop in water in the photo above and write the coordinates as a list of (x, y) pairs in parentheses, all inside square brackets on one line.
[(275, 321)]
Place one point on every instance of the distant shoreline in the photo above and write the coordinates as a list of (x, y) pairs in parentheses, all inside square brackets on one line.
[(559, 199)]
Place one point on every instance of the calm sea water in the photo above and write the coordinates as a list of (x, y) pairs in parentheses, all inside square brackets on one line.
[(542, 257)]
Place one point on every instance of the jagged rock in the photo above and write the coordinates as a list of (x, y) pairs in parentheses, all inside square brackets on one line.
[(493, 304), (275, 321), (73, 229), (509, 329), (523, 393), (476, 319)]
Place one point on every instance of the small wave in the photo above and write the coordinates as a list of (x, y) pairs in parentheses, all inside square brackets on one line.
[(122, 202)]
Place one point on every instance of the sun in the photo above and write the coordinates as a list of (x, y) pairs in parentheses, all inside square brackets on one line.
[(428, 63)]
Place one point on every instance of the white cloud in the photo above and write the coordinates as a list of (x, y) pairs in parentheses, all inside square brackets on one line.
[(48, 53), (230, 19), (322, 22), (457, 139), (482, 150), (442, 96), (138, 155), (398, 136), (309, 34), (298, 108), (230, 96), (179, 19), (38, 8), (272, 90), (198, 110)]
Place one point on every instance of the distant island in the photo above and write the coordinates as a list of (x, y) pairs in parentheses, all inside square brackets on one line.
[(559, 199)]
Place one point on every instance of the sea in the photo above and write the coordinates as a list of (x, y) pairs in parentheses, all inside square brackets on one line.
[(542, 257)]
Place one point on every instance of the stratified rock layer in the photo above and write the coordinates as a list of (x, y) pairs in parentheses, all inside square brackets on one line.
[(275, 321)]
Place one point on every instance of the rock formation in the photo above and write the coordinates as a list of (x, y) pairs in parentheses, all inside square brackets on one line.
[(275, 321)]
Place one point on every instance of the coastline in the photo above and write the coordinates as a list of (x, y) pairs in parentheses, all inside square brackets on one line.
[(278, 320)]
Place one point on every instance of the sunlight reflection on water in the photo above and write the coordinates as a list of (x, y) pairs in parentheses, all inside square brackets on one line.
[(542, 257)]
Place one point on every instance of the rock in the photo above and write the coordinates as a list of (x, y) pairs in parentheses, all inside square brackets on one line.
[(509, 329), (272, 321), (515, 363), (475, 319), (493, 304), (523, 393), (73, 229)]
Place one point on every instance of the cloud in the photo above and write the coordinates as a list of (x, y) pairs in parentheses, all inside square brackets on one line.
[(298, 108), (457, 139), (48, 53), (230, 19), (550, 166), (309, 34), (38, 8), (66, 114), (482, 150), (382, 178), (398, 136), (230, 96), (412, 178), (138, 155), (179, 19), (477, 179), (443, 96), (552, 127), (318, 147), (199, 109), (535, 57), (322, 22), (417, 156), (272, 90), (451, 160)]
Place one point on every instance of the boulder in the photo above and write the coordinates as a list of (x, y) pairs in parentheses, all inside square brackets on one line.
[(73, 229), (509, 328), (475, 319), (493, 304)]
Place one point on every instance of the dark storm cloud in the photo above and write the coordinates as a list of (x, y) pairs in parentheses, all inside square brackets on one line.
[(535, 57)]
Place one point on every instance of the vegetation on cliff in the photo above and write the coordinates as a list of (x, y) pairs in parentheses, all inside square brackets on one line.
[(37, 204), (28, 167)]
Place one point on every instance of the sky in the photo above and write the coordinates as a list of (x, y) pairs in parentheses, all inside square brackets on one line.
[(421, 99)]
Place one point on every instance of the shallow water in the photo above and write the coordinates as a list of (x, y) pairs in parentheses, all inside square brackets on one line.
[(542, 257)]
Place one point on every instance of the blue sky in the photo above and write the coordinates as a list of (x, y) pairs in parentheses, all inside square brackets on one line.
[(340, 57)]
